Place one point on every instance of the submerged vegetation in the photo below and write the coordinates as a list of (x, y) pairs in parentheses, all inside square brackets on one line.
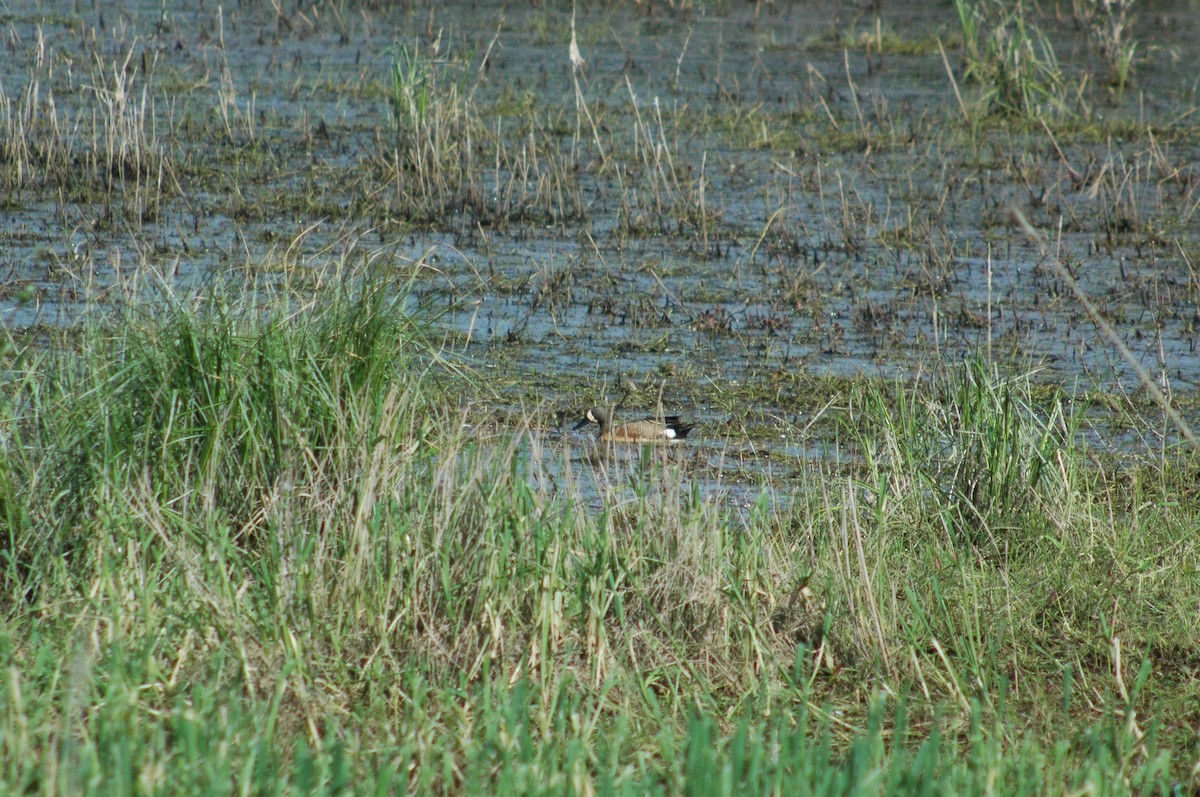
[(300, 304)]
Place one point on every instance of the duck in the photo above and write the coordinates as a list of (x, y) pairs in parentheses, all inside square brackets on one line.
[(668, 429)]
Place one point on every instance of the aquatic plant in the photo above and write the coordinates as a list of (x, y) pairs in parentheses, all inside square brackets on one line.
[(1110, 34), (1012, 59), (437, 127)]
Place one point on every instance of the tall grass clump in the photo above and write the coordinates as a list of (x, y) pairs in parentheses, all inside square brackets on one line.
[(1110, 36), (980, 448), (976, 555), (437, 163), (1011, 59), (110, 148), (436, 125), (209, 405)]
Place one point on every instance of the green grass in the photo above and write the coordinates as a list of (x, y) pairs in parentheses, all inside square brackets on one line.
[(1013, 60), (257, 544)]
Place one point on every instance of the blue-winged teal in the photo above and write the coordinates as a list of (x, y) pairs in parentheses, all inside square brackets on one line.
[(660, 430)]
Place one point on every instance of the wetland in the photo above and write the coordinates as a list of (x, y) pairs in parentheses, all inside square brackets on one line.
[(302, 301)]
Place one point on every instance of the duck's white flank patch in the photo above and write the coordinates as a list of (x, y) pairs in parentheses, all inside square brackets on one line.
[(670, 433)]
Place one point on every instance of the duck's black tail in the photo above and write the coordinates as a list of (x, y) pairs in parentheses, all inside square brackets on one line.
[(677, 426)]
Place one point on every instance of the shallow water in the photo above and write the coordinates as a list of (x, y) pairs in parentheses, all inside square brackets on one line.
[(757, 203)]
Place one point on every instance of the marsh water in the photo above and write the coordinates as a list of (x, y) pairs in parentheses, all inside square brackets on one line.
[(733, 211)]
